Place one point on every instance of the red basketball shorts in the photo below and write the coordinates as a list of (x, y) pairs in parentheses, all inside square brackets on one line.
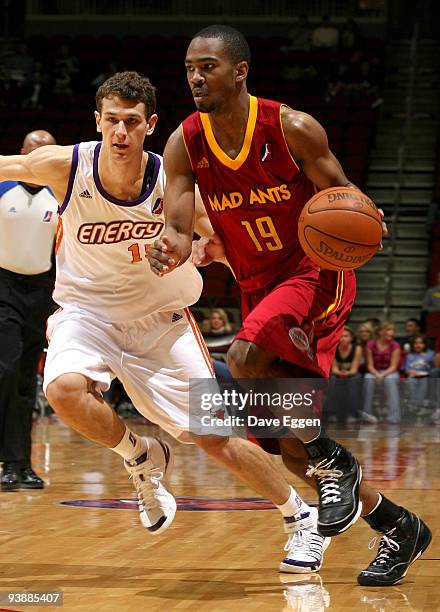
[(302, 318)]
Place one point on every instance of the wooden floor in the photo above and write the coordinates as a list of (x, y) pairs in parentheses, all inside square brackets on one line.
[(213, 560)]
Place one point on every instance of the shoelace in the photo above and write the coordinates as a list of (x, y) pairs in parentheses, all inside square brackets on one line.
[(386, 546), (146, 488), (328, 479), (305, 541)]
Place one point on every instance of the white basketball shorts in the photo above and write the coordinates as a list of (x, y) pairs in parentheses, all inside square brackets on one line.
[(154, 358)]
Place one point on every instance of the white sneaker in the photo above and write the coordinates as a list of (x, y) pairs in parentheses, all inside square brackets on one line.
[(305, 546), (149, 472)]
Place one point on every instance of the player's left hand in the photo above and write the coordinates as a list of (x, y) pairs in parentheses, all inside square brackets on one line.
[(164, 256)]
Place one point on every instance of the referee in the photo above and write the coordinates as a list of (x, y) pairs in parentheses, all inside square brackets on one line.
[(28, 219)]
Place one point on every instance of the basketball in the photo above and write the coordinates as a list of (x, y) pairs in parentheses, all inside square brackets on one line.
[(340, 228)]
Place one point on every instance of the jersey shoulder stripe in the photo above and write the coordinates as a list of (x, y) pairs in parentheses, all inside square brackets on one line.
[(6, 186), (72, 175)]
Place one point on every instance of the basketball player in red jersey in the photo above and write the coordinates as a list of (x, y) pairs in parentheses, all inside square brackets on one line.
[(256, 163)]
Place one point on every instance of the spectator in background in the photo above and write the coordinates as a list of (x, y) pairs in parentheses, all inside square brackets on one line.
[(40, 88), (218, 323), (306, 75), (16, 70), (66, 68), (325, 35), (412, 329), (345, 378), (383, 357), (365, 333), (337, 80), (431, 300), (28, 220), (375, 323), (110, 70), (349, 36), (300, 36), (418, 365), (434, 381)]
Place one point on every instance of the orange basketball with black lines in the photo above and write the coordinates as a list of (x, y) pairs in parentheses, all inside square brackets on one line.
[(340, 228)]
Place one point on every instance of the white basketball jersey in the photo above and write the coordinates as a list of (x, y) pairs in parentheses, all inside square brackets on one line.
[(102, 244), (28, 218)]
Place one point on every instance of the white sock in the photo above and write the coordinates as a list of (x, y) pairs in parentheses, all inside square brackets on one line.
[(293, 505), (131, 446)]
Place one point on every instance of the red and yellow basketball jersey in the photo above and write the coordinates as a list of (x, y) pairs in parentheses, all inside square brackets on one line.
[(253, 201)]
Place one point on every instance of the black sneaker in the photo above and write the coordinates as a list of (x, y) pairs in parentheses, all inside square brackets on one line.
[(338, 476), (398, 548)]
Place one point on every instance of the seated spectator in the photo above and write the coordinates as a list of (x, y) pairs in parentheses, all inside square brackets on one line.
[(412, 329), (365, 333), (40, 92), (383, 357), (305, 75), (66, 68), (217, 324), (375, 323), (349, 36), (300, 36), (337, 80), (345, 378), (431, 301), (110, 70), (325, 35), (16, 70), (418, 365)]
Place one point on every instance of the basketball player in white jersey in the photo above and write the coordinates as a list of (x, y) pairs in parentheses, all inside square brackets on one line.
[(117, 319)]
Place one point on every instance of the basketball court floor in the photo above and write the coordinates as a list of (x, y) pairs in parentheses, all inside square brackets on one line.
[(81, 535)]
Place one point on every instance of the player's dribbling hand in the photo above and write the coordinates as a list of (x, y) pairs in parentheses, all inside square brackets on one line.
[(207, 250), (384, 227), (163, 256)]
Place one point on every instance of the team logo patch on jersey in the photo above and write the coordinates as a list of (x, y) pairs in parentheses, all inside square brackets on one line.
[(265, 152), (301, 341), (12, 209), (157, 207), (85, 194), (203, 163), (47, 216), (176, 317)]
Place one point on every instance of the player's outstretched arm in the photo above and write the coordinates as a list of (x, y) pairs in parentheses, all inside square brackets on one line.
[(48, 165), (174, 246)]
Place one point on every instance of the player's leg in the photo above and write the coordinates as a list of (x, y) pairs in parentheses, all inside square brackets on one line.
[(78, 367), (264, 341), (305, 546), (336, 471), (403, 535), (174, 354)]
